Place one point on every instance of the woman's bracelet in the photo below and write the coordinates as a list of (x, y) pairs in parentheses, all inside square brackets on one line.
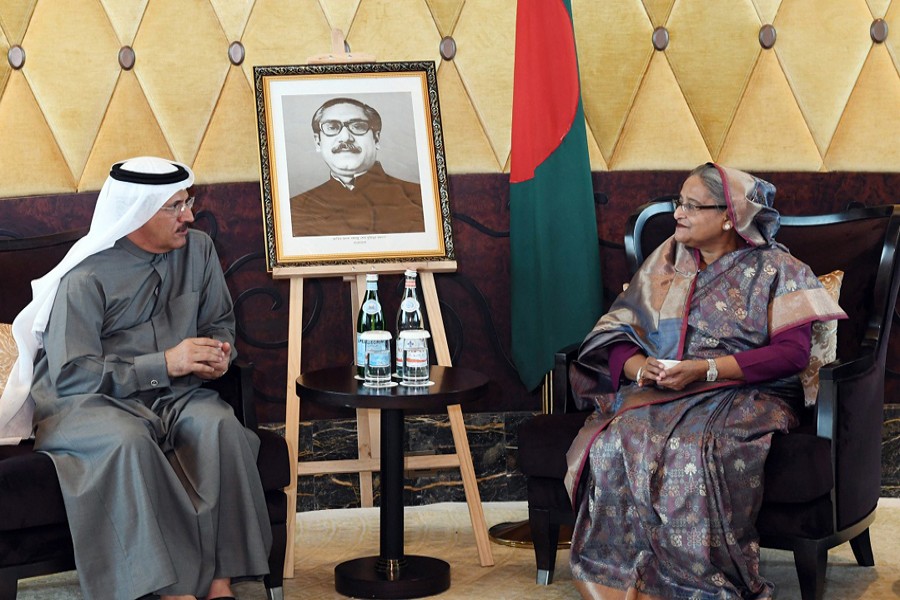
[(640, 374)]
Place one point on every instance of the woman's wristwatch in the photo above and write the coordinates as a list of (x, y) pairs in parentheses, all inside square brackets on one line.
[(712, 372)]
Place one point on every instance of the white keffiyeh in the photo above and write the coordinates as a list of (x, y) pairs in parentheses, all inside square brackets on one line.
[(122, 207)]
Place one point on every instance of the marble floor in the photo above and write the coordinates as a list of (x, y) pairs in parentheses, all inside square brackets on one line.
[(327, 537)]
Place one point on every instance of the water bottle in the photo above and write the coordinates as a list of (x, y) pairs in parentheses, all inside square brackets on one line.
[(409, 316), (370, 318)]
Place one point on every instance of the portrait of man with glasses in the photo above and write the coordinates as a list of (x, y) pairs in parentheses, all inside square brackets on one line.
[(359, 197)]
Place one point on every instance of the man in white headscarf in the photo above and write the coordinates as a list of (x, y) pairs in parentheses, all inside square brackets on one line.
[(158, 476)]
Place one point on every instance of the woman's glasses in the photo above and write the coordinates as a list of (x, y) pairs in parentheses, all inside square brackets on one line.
[(179, 207), (690, 207)]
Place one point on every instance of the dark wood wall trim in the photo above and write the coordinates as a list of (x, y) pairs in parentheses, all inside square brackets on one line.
[(475, 299)]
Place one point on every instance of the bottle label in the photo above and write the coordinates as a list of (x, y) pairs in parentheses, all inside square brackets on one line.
[(371, 307), (379, 356), (416, 357), (416, 353), (360, 352), (409, 305), (378, 351)]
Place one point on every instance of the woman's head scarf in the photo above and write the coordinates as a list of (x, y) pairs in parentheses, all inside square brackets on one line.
[(134, 191), (749, 200)]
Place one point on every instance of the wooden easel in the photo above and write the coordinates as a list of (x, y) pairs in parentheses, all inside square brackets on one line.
[(368, 430), (368, 420)]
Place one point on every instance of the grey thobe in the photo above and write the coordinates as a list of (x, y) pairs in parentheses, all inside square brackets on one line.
[(158, 476)]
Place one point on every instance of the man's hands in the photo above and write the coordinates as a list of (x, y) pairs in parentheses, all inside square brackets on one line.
[(204, 357)]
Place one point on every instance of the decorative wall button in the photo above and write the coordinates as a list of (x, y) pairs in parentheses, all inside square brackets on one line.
[(879, 31), (660, 38), (448, 48), (126, 57), (767, 35), (236, 53), (16, 56)]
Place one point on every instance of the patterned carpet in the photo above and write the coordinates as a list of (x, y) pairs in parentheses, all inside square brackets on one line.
[(325, 538)]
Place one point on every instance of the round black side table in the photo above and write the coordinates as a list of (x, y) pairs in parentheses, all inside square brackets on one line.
[(391, 574)]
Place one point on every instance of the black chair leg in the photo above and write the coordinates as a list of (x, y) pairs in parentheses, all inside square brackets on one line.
[(862, 549), (9, 585), (545, 536), (811, 560)]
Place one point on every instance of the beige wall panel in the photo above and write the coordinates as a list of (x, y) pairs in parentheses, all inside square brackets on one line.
[(598, 163), (4, 64), (340, 15), (657, 10), (396, 30), (614, 49), (768, 132), (878, 7), (713, 49), (767, 9), (129, 129), (660, 132), (283, 32), (445, 14), (182, 60), (822, 45), (868, 136), (486, 36), (125, 16), (14, 17), (466, 146), (32, 162), (233, 15), (230, 150), (76, 39), (893, 39)]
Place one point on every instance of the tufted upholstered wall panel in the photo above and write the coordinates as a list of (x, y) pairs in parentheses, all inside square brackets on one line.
[(826, 97)]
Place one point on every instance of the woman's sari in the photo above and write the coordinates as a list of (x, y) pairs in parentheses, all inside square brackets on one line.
[(667, 484)]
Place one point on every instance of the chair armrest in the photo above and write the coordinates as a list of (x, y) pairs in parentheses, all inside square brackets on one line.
[(236, 388), (562, 394), (837, 379)]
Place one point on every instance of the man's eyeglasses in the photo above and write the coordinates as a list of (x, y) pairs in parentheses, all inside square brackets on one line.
[(333, 127), (179, 207), (690, 207)]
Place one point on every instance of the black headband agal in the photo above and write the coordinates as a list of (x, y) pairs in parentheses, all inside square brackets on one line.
[(121, 174)]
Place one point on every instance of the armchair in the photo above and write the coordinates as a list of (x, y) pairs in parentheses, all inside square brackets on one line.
[(34, 531), (823, 478)]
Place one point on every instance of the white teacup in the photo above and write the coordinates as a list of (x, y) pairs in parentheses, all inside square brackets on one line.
[(667, 363)]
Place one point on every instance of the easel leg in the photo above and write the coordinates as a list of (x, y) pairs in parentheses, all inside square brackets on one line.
[(470, 484), (292, 414), (364, 447)]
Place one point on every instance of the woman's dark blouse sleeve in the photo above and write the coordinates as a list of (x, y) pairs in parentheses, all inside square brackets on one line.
[(787, 354)]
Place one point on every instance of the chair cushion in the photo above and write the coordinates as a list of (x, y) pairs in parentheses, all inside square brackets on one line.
[(8, 353), (798, 468), (548, 493), (823, 346), (273, 462), (811, 520), (30, 494), (29, 490), (544, 441)]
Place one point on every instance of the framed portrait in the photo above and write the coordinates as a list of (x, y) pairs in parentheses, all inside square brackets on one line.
[(352, 165)]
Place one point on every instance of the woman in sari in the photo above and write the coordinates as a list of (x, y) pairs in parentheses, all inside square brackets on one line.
[(666, 476)]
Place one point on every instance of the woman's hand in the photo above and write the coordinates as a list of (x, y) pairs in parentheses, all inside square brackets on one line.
[(678, 376)]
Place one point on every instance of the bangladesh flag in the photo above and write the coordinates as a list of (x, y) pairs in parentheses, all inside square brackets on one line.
[(556, 287)]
